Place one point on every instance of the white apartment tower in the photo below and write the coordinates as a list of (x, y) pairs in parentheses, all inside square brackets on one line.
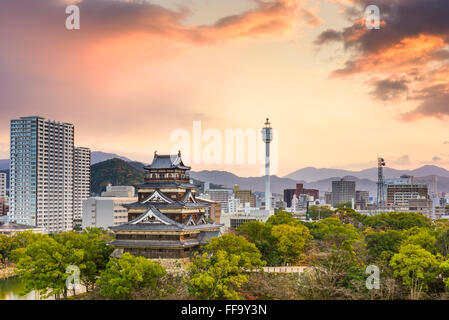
[(81, 191), (2, 185), (42, 173)]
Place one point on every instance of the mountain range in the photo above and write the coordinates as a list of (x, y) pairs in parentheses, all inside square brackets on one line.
[(129, 172), (310, 174), (95, 157)]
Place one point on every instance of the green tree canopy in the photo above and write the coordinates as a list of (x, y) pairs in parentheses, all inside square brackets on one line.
[(221, 269), (397, 221), (416, 267), (282, 217), (290, 241), (333, 230), (386, 243), (128, 273)]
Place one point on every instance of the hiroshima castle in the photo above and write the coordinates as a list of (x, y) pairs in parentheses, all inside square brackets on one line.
[(167, 221)]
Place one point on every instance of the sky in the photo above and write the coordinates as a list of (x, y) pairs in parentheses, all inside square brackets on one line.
[(338, 94)]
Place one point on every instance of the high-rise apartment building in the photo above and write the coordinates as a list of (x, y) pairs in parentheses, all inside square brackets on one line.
[(81, 180), (343, 191), (42, 173), (2, 185)]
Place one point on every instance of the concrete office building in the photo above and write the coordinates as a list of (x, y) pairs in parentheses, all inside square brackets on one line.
[(343, 191), (119, 191), (300, 190), (219, 195), (108, 210), (105, 212), (42, 173), (361, 200), (328, 197), (81, 180), (245, 196), (399, 195)]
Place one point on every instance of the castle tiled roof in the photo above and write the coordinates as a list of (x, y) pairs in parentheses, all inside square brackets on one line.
[(154, 220), (167, 162)]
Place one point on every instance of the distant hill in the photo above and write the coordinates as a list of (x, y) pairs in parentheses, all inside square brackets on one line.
[(123, 173), (310, 174), (4, 164), (99, 156), (360, 184), (116, 172)]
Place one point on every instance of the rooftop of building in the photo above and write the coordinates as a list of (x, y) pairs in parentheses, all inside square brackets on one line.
[(154, 220), (15, 226), (167, 161)]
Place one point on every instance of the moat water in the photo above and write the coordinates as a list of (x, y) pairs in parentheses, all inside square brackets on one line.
[(11, 288)]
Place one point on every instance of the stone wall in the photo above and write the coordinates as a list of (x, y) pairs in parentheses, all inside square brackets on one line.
[(7, 272)]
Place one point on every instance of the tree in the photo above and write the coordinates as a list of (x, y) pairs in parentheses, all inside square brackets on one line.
[(128, 273), (5, 248), (220, 270), (255, 231), (343, 205), (416, 267), (442, 243), (290, 241), (422, 237), (397, 221), (316, 212), (383, 243), (42, 266), (282, 217), (333, 230)]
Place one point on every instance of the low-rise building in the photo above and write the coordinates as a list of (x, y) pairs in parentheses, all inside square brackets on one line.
[(105, 212), (10, 229), (214, 211)]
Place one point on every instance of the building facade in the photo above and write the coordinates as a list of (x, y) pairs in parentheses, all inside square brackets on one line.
[(42, 173), (300, 190), (245, 196), (399, 195), (220, 195), (214, 210), (361, 200), (343, 191), (81, 181), (105, 212), (167, 221), (2, 185), (4, 207)]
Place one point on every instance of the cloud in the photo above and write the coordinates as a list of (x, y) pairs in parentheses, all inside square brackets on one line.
[(446, 142), (412, 45), (405, 159), (389, 89)]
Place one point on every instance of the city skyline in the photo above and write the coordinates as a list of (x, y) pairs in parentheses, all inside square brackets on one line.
[(145, 69)]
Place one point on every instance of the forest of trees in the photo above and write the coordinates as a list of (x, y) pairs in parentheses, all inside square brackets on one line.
[(409, 250)]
